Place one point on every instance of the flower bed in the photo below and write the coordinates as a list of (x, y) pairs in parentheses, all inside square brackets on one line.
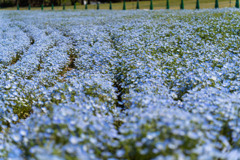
[(120, 84)]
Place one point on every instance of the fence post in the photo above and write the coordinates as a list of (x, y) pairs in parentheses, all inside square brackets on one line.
[(124, 4), (137, 4), (110, 5), (42, 7), (63, 6), (237, 4), (216, 4), (182, 4), (17, 6), (74, 7), (151, 5), (167, 4), (197, 5), (86, 6), (97, 6), (29, 7), (52, 7)]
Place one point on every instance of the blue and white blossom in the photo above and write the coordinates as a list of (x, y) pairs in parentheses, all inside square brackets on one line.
[(120, 84)]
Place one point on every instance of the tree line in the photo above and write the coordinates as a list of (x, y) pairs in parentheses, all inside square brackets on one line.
[(37, 3)]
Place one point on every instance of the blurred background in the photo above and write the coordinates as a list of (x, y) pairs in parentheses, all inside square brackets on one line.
[(116, 4)]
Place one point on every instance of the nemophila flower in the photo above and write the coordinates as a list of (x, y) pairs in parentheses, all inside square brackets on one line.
[(119, 85)]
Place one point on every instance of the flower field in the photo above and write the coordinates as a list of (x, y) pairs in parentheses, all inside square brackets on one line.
[(114, 85)]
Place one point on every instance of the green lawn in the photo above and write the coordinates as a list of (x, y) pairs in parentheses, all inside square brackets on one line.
[(158, 4)]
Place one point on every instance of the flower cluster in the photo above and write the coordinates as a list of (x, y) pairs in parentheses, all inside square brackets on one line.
[(120, 84)]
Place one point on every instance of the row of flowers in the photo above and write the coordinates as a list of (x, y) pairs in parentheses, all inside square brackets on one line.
[(120, 85)]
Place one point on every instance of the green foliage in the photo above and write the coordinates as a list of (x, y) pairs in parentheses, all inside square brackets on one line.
[(216, 4), (167, 5), (110, 5), (182, 4), (197, 5), (151, 5), (124, 4)]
